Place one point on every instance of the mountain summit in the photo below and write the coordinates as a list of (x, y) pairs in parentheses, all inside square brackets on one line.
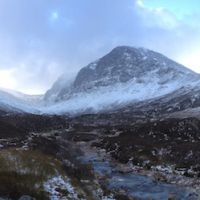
[(123, 64), (124, 75)]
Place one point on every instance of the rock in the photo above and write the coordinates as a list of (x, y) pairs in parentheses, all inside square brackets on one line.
[(26, 197)]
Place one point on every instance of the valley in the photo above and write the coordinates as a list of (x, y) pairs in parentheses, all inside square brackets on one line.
[(126, 128), (86, 157)]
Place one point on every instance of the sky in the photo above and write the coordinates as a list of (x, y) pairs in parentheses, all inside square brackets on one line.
[(41, 40)]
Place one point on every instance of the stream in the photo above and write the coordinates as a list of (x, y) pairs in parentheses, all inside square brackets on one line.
[(135, 185)]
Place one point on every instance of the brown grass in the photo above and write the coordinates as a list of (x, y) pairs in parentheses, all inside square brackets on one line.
[(24, 172)]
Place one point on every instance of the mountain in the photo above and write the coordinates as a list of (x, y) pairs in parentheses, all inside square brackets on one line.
[(123, 76), (61, 85), (16, 102), (128, 80)]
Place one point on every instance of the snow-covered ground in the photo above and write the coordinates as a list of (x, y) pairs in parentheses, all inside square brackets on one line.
[(58, 182), (60, 188)]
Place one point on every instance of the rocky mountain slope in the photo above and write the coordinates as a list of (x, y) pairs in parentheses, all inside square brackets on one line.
[(124, 76)]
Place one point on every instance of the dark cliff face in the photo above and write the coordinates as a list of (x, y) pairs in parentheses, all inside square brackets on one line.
[(125, 63)]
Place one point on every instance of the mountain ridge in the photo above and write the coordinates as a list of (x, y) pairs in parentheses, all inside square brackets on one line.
[(128, 75), (125, 76)]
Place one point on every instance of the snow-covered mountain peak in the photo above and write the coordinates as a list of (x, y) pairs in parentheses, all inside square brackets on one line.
[(124, 75), (137, 58), (123, 65)]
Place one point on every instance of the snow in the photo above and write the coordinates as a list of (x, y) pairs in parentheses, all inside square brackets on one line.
[(56, 182), (93, 65), (13, 102), (127, 56), (32, 99), (100, 98), (102, 197), (118, 95), (144, 58), (108, 198)]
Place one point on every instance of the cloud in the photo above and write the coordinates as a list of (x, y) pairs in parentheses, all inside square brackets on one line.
[(157, 17), (40, 40)]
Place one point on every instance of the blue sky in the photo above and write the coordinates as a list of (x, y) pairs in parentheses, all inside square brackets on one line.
[(42, 39)]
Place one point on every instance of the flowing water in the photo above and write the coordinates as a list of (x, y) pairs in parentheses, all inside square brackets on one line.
[(138, 186)]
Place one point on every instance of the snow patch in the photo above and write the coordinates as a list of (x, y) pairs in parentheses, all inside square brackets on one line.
[(92, 66), (58, 183)]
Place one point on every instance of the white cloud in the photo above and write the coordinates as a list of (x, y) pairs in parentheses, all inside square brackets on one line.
[(157, 17)]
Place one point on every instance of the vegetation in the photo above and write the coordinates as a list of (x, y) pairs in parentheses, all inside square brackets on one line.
[(24, 172)]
